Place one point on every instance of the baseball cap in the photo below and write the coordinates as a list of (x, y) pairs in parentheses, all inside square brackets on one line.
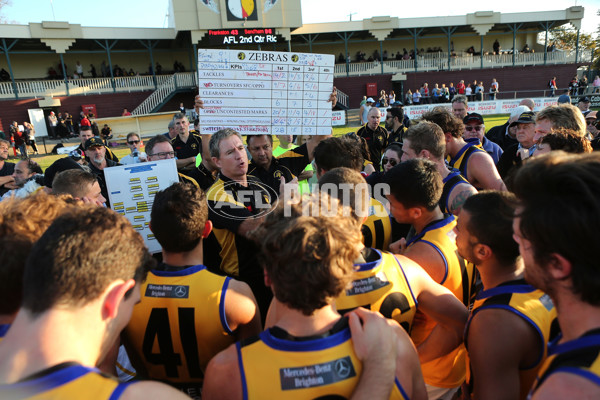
[(370, 100), (75, 154), (584, 99), (591, 114), (528, 117), (93, 141), (473, 117)]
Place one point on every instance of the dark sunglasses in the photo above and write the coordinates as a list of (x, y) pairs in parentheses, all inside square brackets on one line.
[(134, 142), (390, 160)]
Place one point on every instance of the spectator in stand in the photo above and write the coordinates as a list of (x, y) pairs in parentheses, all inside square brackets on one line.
[(596, 84), (408, 98), (181, 108), (416, 97), (425, 94), (552, 86), (479, 91), (435, 94), (106, 133), (583, 84), (526, 49), (469, 92), (460, 88), (574, 86), (444, 94), (391, 97), (29, 131), (383, 100), (79, 69), (93, 71), (475, 129), (20, 140), (496, 47), (451, 91), (126, 113), (52, 122), (69, 122), (494, 89)]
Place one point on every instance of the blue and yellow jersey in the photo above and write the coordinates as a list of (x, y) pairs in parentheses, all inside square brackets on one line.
[(454, 178), (67, 381), (380, 284), (275, 365), (528, 303), (3, 330), (377, 229), (461, 160), (447, 371), (179, 325), (580, 357)]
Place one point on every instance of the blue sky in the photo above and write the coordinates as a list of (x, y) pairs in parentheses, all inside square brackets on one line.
[(152, 13)]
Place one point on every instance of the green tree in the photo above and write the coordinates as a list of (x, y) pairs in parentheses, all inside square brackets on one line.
[(566, 39)]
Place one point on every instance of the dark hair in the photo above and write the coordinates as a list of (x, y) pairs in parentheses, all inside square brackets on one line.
[(79, 255), (154, 141), (249, 137), (567, 140), (491, 217), (415, 183), (33, 166), (397, 112), (560, 214), (395, 147), (178, 217), (337, 152), (445, 120)]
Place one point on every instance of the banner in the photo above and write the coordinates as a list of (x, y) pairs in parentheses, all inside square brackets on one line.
[(484, 107)]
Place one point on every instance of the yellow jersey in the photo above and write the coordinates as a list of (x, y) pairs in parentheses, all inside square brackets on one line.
[(447, 371), (179, 325), (276, 365), (377, 229), (461, 160), (527, 302), (380, 284), (65, 381), (580, 357)]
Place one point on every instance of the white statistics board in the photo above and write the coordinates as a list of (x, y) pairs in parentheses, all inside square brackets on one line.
[(131, 191), (36, 116), (265, 92)]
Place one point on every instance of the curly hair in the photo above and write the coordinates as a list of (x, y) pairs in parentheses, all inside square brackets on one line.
[(445, 120), (567, 140), (308, 250)]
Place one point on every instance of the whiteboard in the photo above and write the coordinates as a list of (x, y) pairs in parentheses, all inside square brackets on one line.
[(36, 116), (131, 191), (265, 92)]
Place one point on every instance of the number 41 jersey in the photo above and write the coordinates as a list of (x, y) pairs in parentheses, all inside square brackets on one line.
[(179, 325)]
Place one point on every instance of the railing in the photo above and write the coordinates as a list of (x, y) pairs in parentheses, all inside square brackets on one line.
[(85, 86), (343, 98), (439, 61), (164, 89)]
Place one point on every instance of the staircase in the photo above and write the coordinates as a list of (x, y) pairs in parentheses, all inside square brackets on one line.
[(165, 90)]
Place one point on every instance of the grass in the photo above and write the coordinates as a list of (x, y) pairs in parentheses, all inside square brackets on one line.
[(122, 150)]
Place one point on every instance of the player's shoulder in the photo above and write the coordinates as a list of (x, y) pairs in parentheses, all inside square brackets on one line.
[(149, 389)]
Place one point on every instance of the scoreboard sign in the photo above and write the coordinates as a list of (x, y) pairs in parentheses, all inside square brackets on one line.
[(242, 36)]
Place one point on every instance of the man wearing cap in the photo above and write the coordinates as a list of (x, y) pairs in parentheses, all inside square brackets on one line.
[(584, 105), (513, 157), (475, 129), (364, 110), (96, 154), (84, 136), (590, 120), (564, 98), (375, 135)]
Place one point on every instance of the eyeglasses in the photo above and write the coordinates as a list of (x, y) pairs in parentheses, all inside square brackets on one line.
[(590, 121), (166, 154), (134, 142), (474, 128), (389, 160)]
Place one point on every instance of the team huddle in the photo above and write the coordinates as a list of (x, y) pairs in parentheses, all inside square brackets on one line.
[(445, 286)]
